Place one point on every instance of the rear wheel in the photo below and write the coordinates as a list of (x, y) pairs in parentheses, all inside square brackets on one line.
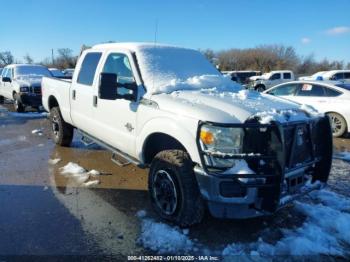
[(17, 105), (174, 190), (62, 132), (338, 122)]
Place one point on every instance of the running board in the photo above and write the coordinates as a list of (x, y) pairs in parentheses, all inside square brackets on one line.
[(125, 158)]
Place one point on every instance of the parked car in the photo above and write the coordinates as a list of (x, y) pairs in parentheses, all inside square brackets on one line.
[(267, 80), (22, 84), (332, 99), (68, 72), (333, 75), (241, 77), (207, 142)]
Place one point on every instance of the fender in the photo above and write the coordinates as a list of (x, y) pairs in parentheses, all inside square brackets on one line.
[(184, 130)]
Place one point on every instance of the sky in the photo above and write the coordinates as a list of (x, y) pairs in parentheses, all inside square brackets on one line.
[(35, 27)]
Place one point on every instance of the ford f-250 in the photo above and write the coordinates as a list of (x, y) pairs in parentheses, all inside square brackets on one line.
[(21, 83), (207, 142)]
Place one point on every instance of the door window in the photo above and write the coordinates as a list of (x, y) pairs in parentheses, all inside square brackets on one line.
[(285, 90), (88, 69), (287, 76), (119, 64), (275, 76), (310, 90)]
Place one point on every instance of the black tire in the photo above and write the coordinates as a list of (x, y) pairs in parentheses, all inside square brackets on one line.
[(2, 99), (339, 126), (260, 88), (62, 132), (172, 171), (17, 105)]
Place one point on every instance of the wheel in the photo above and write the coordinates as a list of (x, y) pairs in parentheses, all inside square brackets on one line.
[(260, 88), (2, 99), (174, 190), (62, 132), (339, 126), (18, 106)]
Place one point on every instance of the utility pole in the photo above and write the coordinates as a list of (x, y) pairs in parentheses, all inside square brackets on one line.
[(52, 57)]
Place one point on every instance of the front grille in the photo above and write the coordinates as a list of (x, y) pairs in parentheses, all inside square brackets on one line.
[(298, 146), (35, 90)]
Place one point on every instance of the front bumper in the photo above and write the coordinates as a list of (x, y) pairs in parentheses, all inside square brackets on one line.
[(30, 99), (282, 166)]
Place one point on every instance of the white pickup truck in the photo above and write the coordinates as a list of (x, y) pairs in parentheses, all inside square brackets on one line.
[(21, 83), (207, 142), (268, 80)]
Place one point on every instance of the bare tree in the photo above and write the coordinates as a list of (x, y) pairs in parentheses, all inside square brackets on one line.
[(28, 59), (6, 58)]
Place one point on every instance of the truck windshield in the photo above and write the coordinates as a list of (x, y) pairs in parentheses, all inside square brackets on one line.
[(167, 69), (31, 71)]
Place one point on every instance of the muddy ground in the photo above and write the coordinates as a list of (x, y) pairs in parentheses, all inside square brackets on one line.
[(43, 213)]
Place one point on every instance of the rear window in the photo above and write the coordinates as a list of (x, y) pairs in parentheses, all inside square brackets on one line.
[(27, 70), (88, 69), (331, 92), (287, 76)]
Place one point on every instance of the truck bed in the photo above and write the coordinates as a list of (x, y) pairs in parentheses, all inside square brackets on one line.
[(60, 90)]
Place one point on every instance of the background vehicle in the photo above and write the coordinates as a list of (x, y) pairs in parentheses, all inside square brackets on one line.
[(68, 72), (337, 75), (155, 106), (267, 80), (241, 77), (326, 97), (22, 84), (58, 73), (316, 76)]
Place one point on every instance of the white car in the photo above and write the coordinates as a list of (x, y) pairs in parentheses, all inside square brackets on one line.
[(316, 76), (332, 75), (326, 97)]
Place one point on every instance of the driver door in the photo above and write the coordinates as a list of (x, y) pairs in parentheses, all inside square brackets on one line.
[(116, 119)]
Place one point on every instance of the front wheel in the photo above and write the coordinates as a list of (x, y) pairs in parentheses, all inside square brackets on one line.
[(18, 106), (174, 190), (338, 122), (62, 132), (260, 88)]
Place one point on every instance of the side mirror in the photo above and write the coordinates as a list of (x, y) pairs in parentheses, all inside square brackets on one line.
[(6, 79), (107, 88), (127, 91)]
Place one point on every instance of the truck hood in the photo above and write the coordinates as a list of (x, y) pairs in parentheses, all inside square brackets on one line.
[(228, 107)]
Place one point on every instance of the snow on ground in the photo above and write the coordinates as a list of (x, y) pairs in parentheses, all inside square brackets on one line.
[(38, 132), (79, 175), (54, 161), (342, 155), (29, 114), (325, 231)]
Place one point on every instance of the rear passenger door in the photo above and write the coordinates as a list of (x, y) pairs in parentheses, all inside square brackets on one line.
[(81, 93), (274, 80)]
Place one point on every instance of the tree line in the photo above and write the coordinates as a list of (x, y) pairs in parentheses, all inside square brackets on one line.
[(266, 58), (262, 58)]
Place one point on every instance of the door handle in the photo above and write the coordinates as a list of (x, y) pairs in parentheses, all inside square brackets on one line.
[(95, 101), (73, 94)]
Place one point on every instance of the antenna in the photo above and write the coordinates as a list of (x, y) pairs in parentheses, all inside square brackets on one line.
[(155, 32)]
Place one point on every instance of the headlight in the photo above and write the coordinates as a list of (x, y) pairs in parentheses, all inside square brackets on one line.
[(23, 89), (221, 140)]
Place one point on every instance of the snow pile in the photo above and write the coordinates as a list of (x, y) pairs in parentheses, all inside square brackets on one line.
[(38, 132), (163, 238), (202, 82), (281, 116), (342, 155), (79, 175), (326, 231), (54, 161)]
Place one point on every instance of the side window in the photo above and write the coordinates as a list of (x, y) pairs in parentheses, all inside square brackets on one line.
[(119, 64), (8, 73), (285, 90), (347, 75), (3, 73), (338, 76), (88, 69), (310, 90), (287, 76), (331, 92), (275, 76)]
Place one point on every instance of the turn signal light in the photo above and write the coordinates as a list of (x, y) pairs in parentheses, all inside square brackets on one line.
[(207, 137)]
